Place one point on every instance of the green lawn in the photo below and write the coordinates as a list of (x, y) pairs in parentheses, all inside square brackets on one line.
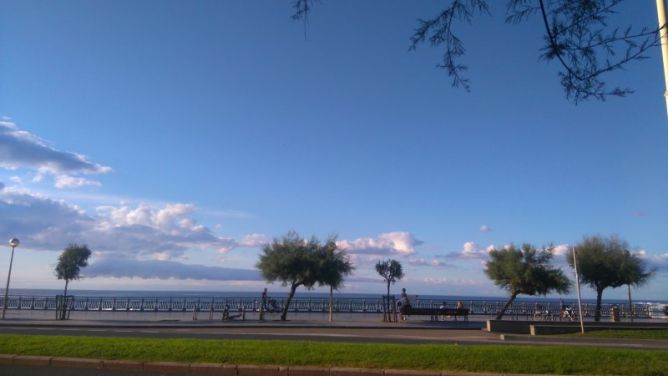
[(509, 359), (661, 334)]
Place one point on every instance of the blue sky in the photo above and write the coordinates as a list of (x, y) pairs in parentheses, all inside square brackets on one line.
[(175, 138)]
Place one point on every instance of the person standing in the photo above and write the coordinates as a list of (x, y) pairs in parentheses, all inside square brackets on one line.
[(263, 303), (405, 304)]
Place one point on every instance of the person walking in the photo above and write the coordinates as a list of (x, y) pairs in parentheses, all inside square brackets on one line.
[(263, 304)]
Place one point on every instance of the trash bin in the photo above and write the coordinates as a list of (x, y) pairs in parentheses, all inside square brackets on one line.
[(614, 314)]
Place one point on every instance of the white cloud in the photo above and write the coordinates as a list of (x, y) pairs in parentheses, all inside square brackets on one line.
[(66, 181), (146, 232), (254, 241), (655, 262), (485, 228), (471, 251), (451, 281), (22, 149), (398, 243), (364, 261), (421, 261), (561, 249)]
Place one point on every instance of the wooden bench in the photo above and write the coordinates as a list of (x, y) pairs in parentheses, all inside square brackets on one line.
[(434, 313)]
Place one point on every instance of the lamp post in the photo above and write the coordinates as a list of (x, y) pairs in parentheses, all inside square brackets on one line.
[(13, 242), (577, 285), (663, 37)]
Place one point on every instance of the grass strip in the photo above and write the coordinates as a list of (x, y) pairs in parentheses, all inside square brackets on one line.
[(491, 358), (658, 334)]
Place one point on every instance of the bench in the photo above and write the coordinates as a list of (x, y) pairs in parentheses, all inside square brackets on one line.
[(434, 313)]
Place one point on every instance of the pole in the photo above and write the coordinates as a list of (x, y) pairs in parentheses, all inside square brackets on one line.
[(9, 275), (577, 285), (663, 35)]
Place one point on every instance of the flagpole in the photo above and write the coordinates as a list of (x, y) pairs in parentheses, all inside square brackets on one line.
[(663, 35), (577, 285)]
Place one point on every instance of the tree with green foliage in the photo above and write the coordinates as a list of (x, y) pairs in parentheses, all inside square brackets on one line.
[(334, 265), (635, 273), (526, 271), (391, 271), (70, 262), (295, 262), (607, 262), (579, 35)]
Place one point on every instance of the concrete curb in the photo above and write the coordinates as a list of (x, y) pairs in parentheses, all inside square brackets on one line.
[(216, 369)]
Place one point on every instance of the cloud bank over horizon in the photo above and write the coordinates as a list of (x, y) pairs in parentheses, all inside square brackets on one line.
[(148, 269)]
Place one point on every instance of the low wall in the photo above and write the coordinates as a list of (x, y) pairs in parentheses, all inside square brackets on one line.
[(503, 326), (557, 327), (564, 328)]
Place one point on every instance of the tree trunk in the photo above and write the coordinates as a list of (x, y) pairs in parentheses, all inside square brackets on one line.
[(505, 307), (63, 312), (389, 311), (630, 303), (599, 296), (293, 288), (331, 303)]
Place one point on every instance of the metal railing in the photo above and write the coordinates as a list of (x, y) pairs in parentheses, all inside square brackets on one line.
[(518, 310)]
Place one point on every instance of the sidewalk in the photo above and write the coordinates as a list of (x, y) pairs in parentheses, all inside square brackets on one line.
[(363, 324)]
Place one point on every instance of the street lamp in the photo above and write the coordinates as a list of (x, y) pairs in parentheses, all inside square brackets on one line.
[(13, 242)]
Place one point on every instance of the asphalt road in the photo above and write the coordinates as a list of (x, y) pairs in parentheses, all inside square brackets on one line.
[(52, 371), (402, 335)]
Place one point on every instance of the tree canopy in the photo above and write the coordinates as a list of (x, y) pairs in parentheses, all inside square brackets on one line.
[(70, 262), (577, 34), (391, 271), (607, 262), (295, 262), (334, 265), (526, 271)]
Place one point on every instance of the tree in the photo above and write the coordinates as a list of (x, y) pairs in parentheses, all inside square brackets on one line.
[(298, 262), (525, 271), (634, 273), (391, 272), (603, 263), (335, 265), (577, 34), (70, 262)]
